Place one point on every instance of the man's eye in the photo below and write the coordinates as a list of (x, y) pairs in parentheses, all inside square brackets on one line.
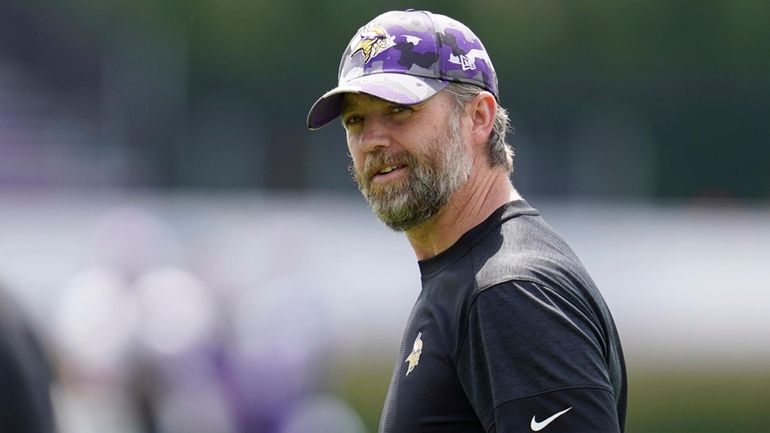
[(400, 109), (351, 120)]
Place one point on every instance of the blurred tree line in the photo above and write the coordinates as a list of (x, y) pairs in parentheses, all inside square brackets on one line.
[(654, 99)]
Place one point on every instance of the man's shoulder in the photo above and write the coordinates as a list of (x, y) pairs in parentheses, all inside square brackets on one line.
[(526, 248), (514, 245)]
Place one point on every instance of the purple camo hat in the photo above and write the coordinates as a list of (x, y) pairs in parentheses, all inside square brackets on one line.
[(406, 57)]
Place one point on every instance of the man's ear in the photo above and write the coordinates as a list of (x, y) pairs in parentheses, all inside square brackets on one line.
[(482, 112)]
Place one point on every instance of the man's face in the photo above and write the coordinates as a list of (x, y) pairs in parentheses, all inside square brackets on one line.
[(407, 160)]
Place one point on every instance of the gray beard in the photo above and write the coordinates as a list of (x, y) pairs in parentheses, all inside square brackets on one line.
[(429, 185)]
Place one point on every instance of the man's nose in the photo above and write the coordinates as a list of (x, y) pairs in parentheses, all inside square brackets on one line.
[(375, 134)]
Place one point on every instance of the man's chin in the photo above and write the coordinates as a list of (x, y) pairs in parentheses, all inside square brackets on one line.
[(396, 224), (392, 213), (401, 218)]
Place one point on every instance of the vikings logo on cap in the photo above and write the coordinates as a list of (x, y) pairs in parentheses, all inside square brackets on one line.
[(373, 41)]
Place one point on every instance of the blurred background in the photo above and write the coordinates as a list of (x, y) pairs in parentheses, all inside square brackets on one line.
[(192, 259)]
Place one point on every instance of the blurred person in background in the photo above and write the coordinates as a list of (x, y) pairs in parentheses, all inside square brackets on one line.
[(25, 374), (509, 332)]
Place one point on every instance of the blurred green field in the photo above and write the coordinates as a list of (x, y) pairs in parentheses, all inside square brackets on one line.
[(699, 400), (661, 399)]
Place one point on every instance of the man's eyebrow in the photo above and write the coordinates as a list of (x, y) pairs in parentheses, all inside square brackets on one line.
[(349, 105), (347, 108)]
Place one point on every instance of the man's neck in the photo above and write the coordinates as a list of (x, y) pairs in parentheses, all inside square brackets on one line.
[(467, 208)]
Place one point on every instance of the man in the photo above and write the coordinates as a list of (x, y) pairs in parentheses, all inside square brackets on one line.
[(509, 332)]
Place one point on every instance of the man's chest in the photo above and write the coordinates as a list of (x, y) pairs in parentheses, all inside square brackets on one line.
[(425, 394)]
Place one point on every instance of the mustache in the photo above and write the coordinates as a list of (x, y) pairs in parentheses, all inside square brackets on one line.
[(379, 159)]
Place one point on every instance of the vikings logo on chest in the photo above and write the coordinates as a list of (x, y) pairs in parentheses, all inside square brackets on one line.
[(372, 41), (414, 358)]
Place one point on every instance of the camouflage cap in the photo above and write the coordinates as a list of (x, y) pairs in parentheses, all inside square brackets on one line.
[(406, 57)]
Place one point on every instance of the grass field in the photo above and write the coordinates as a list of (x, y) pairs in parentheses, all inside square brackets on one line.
[(699, 401)]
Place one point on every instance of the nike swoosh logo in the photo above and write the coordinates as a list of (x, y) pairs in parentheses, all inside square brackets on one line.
[(537, 426)]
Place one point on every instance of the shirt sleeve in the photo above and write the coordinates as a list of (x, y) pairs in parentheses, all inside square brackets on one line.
[(533, 359)]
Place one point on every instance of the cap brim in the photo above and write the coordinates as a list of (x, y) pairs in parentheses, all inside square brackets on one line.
[(398, 88)]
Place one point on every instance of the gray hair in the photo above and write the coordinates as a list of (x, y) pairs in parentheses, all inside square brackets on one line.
[(499, 152)]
